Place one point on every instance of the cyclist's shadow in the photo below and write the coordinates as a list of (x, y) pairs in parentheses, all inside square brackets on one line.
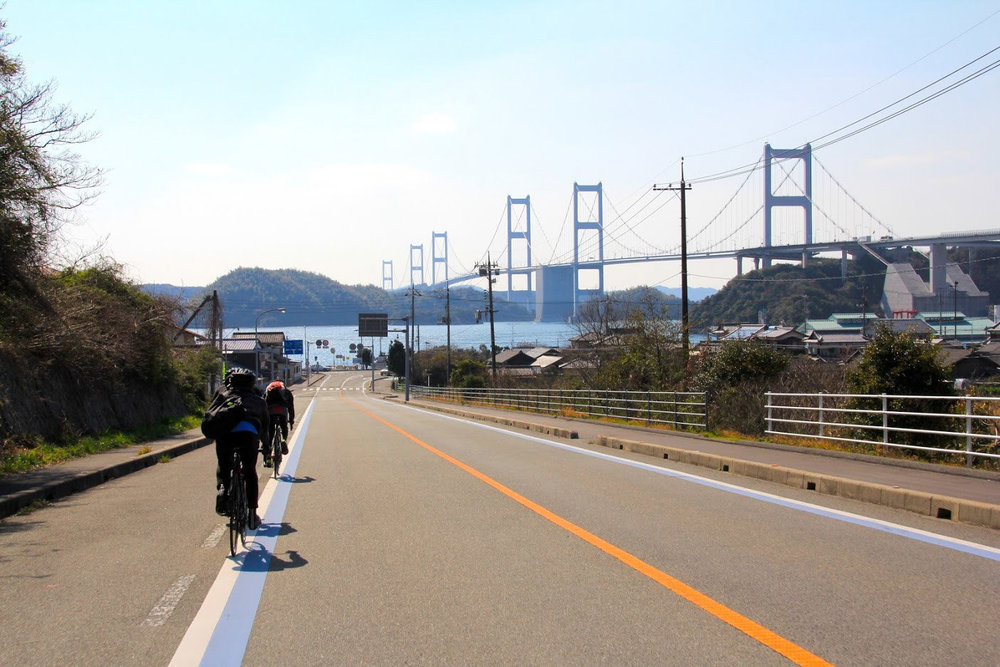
[(259, 559), (296, 480)]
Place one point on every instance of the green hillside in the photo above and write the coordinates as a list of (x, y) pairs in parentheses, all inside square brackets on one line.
[(789, 294), (314, 299)]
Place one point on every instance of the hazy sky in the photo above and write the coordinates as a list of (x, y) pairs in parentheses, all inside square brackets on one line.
[(329, 136)]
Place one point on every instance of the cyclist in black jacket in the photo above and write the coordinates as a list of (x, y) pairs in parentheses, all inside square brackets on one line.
[(244, 437), (281, 410)]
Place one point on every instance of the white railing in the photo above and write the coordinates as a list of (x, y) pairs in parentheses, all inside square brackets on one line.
[(677, 409), (958, 425)]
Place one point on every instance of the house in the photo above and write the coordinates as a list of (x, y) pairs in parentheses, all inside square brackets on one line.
[(240, 352), (529, 361), (836, 346), (970, 363), (270, 359), (547, 363), (917, 327), (187, 338), (789, 339), (516, 358), (780, 337)]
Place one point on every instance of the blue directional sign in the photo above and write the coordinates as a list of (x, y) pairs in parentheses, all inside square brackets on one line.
[(293, 347)]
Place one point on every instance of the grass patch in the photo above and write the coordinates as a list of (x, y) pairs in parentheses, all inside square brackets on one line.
[(144, 450), (30, 454), (37, 505), (165, 458)]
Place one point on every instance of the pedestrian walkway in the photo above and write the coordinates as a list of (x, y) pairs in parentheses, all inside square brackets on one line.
[(21, 490)]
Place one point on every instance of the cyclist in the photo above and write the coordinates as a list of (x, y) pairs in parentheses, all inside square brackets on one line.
[(244, 437), (281, 408)]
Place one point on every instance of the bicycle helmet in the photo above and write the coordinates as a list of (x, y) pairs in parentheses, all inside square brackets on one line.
[(240, 378), (277, 384)]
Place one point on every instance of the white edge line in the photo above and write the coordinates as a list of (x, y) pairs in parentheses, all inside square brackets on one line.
[(196, 640), (957, 544)]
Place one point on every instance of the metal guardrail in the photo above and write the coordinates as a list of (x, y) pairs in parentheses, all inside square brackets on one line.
[(958, 425), (687, 410)]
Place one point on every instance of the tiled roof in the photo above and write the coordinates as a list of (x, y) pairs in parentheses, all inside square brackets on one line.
[(239, 345)]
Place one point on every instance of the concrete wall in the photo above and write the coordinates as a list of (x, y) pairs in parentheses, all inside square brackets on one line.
[(52, 402)]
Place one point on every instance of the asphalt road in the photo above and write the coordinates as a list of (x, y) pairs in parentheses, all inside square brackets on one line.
[(399, 536)]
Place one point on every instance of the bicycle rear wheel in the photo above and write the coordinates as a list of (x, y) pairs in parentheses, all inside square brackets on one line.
[(237, 507), (276, 450)]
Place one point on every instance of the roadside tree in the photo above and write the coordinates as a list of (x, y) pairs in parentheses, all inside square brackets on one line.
[(900, 364)]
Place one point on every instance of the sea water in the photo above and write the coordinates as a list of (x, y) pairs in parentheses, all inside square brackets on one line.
[(331, 345)]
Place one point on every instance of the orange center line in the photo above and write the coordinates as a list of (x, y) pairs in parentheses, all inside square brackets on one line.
[(773, 641)]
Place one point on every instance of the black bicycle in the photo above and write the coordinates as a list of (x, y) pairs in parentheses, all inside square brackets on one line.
[(237, 497), (276, 448)]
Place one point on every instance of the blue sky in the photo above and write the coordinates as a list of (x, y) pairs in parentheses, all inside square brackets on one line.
[(329, 136)]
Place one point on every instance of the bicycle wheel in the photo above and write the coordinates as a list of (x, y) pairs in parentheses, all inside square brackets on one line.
[(276, 450), (237, 506)]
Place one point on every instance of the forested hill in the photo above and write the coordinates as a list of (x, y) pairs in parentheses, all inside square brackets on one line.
[(314, 299), (790, 294)]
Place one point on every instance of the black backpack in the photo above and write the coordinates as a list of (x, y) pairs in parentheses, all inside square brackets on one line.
[(225, 412)]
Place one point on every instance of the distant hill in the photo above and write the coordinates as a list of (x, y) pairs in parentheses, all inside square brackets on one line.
[(695, 294), (314, 299), (790, 294), (184, 294)]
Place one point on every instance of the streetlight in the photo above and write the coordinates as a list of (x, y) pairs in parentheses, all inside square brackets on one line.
[(256, 341)]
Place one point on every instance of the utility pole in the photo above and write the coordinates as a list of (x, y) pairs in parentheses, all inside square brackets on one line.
[(489, 270), (447, 321), (410, 331), (682, 187), (954, 317)]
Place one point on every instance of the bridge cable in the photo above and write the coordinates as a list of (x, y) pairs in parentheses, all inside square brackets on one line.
[(852, 97), (851, 197), (736, 171), (724, 207), (919, 90), (496, 231), (569, 205)]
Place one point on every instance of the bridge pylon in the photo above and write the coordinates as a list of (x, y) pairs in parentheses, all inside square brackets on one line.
[(387, 274), (587, 266), (523, 294), (439, 255), (416, 263), (772, 201)]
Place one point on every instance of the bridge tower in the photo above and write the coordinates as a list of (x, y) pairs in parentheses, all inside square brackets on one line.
[(439, 255), (524, 292), (589, 268), (416, 263), (387, 274), (772, 200)]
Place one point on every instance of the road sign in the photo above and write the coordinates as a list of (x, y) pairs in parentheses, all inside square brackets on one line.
[(375, 325), (293, 347)]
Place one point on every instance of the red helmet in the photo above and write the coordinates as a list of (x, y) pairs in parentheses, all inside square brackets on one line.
[(275, 385)]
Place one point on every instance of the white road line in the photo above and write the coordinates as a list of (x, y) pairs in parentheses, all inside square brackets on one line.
[(165, 607), (956, 544), (240, 581), (213, 538)]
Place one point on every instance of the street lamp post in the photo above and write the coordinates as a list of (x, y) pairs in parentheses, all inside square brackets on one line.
[(256, 340)]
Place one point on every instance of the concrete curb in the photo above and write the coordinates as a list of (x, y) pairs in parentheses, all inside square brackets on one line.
[(85, 479), (938, 506), (506, 421)]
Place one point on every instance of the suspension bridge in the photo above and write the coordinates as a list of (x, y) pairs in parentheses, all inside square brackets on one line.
[(780, 217)]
